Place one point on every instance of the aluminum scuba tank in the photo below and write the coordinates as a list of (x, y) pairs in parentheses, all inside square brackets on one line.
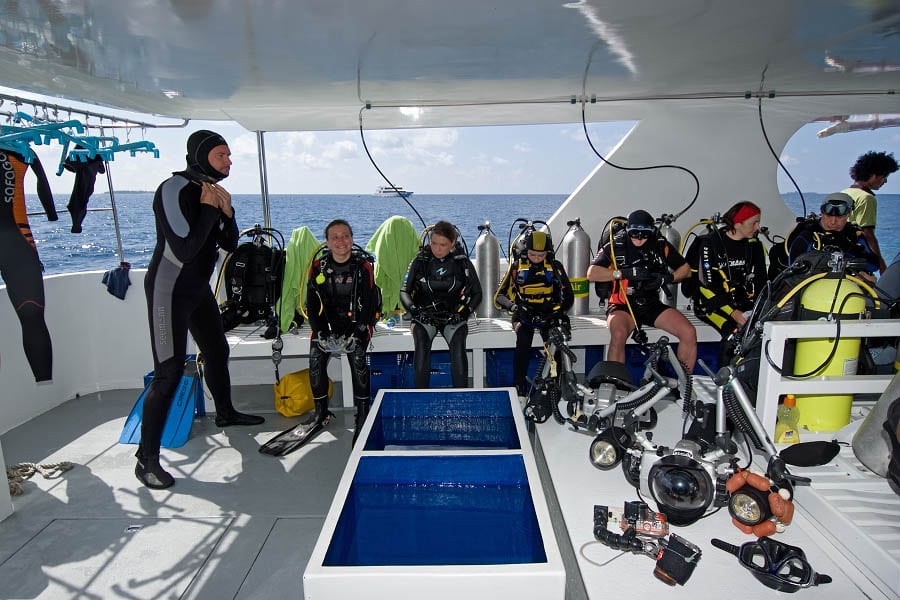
[(672, 236), (487, 265), (871, 443), (575, 256)]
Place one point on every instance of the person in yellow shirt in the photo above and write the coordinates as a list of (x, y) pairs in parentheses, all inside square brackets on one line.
[(869, 173)]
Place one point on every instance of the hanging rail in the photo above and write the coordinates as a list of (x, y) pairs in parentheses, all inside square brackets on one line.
[(52, 112)]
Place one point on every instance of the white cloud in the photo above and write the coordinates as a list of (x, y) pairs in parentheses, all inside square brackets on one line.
[(525, 148), (341, 150)]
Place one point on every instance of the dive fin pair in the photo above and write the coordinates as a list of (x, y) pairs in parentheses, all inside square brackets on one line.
[(187, 402), (294, 438)]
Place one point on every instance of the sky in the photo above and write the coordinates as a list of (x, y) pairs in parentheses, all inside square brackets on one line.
[(534, 159)]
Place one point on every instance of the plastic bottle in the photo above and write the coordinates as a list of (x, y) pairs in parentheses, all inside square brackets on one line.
[(786, 429)]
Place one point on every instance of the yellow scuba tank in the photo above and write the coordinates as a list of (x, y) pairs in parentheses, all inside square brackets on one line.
[(824, 296)]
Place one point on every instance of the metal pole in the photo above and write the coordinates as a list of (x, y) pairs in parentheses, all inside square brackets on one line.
[(263, 177), (112, 202)]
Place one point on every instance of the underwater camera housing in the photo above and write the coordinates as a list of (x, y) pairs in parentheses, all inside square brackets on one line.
[(685, 482)]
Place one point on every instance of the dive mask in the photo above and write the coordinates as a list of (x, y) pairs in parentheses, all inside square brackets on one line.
[(777, 565)]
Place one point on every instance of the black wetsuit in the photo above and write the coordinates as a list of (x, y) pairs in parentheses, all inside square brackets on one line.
[(341, 300), (20, 266), (179, 299), (85, 177), (544, 290), (440, 294), (810, 236), (729, 274)]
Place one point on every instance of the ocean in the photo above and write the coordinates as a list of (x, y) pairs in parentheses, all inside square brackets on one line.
[(96, 249)]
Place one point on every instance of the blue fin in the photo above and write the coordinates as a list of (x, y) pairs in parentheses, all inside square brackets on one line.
[(131, 433), (177, 429)]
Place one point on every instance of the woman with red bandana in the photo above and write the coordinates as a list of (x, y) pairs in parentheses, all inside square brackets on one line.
[(729, 270)]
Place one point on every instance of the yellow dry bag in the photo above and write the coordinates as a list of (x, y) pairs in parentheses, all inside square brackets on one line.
[(293, 393)]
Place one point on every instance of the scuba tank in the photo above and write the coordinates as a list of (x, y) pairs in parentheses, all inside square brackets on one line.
[(871, 443), (833, 294), (671, 235), (487, 265), (575, 255)]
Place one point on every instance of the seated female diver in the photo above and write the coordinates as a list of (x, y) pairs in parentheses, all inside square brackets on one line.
[(440, 291), (728, 266), (535, 290)]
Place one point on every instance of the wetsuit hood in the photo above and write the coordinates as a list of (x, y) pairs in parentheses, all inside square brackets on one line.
[(199, 145)]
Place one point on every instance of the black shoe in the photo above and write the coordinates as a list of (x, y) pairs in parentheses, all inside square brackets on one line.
[(238, 418), (150, 473)]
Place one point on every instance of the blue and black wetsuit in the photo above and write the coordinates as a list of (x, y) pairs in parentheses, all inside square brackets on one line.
[(20, 266), (179, 298), (342, 300), (440, 294)]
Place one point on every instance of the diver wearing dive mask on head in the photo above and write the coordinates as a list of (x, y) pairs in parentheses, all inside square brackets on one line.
[(638, 262), (832, 230)]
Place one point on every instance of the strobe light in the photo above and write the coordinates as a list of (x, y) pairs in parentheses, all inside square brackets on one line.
[(607, 448), (749, 506)]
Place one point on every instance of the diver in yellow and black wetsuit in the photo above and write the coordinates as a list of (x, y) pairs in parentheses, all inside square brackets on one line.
[(729, 269), (534, 290), (19, 263)]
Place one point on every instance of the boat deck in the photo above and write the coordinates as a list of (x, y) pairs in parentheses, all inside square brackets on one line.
[(239, 524)]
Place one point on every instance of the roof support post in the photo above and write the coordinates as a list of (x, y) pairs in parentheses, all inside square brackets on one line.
[(263, 178)]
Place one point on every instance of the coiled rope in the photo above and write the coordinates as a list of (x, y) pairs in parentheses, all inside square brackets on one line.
[(17, 474)]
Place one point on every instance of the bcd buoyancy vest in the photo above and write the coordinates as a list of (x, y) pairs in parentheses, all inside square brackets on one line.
[(253, 283), (442, 284), (650, 257), (340, 288), (537, 284)]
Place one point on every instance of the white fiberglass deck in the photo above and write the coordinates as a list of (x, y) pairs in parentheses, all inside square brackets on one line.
[(239, 524)]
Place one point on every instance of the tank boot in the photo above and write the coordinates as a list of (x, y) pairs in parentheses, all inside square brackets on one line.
[(362, 411), (150, 472)]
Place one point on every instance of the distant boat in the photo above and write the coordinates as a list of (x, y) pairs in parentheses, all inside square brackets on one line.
[(389, 190)]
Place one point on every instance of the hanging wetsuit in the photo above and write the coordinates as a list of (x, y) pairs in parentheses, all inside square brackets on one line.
[(342, 300), (179, 299), (20, 266), (730, 273), (85, 176), (440, 294), (533, 292)]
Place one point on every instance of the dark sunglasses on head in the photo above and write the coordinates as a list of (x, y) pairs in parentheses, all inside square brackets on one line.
[(639, 234), (835, 209)]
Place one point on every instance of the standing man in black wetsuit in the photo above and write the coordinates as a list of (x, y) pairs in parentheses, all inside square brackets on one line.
[(194, 218), (440, 291)]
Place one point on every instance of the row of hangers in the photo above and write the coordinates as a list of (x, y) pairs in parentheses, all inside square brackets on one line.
[(24, 131)]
